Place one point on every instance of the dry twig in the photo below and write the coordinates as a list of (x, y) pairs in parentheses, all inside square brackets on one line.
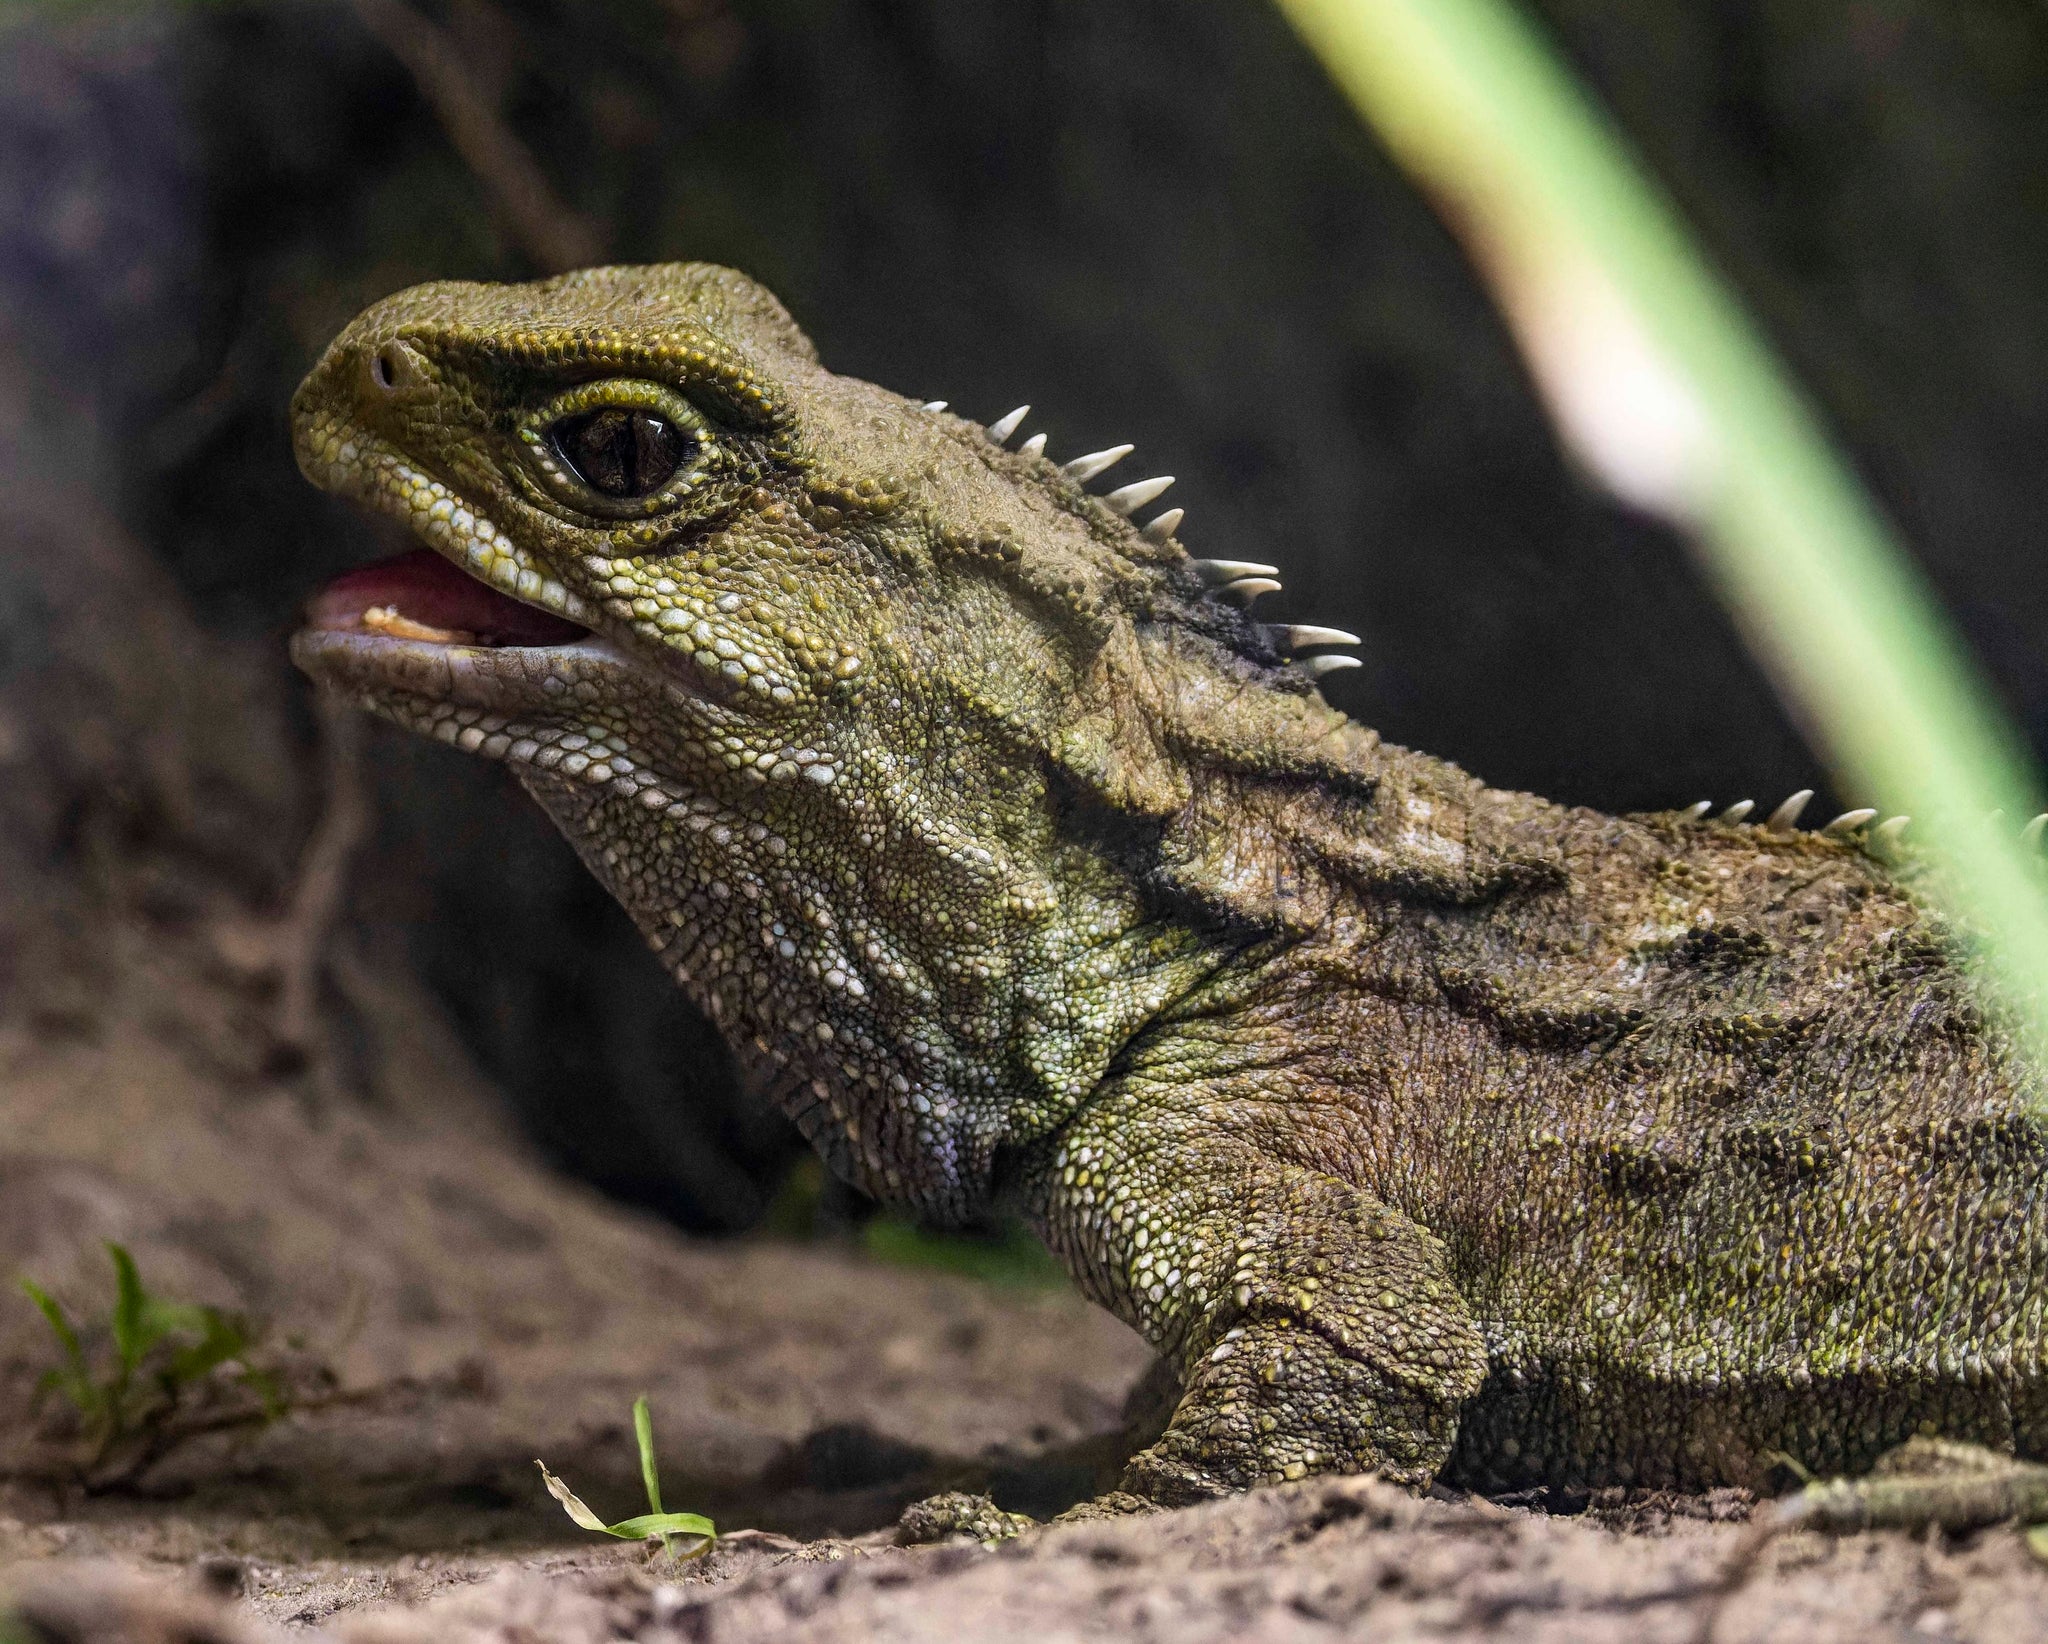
[(552, 235), (322, 887)]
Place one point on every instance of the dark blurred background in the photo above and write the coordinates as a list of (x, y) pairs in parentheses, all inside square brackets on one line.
[(1153, 219)]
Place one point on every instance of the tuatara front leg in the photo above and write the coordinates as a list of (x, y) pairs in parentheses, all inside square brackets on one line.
[(1314, 1329)]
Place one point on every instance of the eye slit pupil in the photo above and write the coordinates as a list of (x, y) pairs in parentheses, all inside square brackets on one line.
[(623, 452), (656, 450)]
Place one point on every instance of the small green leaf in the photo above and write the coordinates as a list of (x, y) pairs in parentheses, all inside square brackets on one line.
[(665, 1525), (73, 1378), (161, 1352), (161, 1318), (131, 1302), (221, 1337), (60, 1324), (656, 1523), (643, 1433)]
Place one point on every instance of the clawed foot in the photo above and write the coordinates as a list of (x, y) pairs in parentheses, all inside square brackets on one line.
[(959, 1514), (1273, 1401), (1156, 1474), (1111, 1504)]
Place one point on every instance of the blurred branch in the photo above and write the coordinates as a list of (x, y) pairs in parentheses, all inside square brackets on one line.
[(551, 235), (322, 888), (1668, 395)]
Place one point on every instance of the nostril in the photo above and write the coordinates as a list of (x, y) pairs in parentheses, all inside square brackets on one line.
[(384, 366)]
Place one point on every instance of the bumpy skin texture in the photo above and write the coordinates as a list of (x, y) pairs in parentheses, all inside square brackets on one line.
[(1426, 1128)]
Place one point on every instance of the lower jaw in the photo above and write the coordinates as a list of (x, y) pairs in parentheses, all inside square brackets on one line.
[(504, 679), (485, 701)]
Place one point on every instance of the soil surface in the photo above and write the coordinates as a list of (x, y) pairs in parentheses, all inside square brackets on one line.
[(446, 1311)]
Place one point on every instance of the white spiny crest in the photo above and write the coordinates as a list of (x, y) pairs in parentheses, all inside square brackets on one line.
[(1242, 581), (1849, 821), (1128, 499), (2030, 835), (1739, 810), (1697, 811), (1083, 469), (1786, 817), (1216, 572), (1306, 636), (933, 405), (1161, 529), (1003, 427), (1246, 589)]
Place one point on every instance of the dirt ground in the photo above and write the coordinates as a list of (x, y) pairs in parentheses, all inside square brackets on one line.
[(470, 1313)]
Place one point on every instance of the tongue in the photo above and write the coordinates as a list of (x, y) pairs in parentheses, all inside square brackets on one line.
[(429, 598)]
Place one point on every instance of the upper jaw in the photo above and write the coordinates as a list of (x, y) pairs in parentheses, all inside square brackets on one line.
[(340, 456), (415, 662)]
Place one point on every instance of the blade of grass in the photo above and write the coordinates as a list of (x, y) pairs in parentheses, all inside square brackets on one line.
[(59, 1322), (1665, 390), (656, 1523), (73, 1378), (663, 1525), (643, 1435), (627, 1529), (131, 1336)]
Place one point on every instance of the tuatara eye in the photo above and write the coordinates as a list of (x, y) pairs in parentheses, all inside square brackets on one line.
[(623, 452)]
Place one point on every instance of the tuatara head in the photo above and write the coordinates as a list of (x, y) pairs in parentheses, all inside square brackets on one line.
[(922, 767)]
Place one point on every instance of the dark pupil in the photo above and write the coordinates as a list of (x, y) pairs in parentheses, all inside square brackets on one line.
[(622, 453)]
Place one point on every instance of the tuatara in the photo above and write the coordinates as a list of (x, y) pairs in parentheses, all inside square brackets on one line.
[(1423, 1127)]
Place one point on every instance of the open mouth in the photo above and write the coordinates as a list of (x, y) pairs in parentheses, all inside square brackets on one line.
[(420, 596), (417, 641)]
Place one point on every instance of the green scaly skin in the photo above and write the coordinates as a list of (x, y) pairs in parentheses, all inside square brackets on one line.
[(1425, 1128)]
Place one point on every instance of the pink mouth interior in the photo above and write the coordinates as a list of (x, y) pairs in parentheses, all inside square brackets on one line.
[(422, 591)]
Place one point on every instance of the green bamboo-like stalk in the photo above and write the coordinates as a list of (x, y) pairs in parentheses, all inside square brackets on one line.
[(1667, 391)]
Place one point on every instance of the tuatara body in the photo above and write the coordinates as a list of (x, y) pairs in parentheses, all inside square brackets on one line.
[(1423, 1128)]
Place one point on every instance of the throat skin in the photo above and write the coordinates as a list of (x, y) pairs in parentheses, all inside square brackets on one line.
[(917, 1025), (1424, 1128)]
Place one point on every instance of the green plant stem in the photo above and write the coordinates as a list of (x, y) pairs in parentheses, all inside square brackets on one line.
[(1593, 267)]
